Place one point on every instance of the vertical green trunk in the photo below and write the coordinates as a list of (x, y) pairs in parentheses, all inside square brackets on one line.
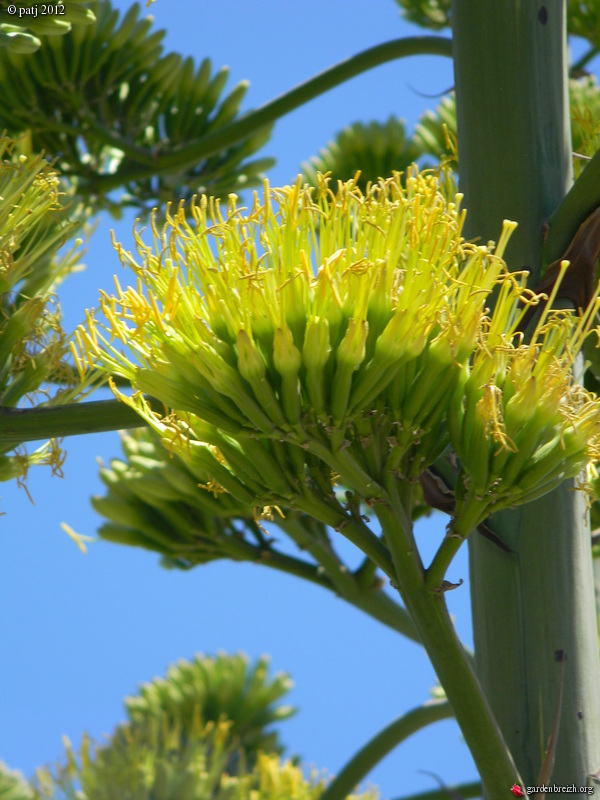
[(514, 151)]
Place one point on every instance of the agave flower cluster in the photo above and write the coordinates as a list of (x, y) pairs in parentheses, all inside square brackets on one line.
[(33, 345), (519, 422), (343, 333)]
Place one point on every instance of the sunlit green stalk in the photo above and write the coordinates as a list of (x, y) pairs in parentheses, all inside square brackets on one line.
[(354, 530), (372, 600), (514, 145)]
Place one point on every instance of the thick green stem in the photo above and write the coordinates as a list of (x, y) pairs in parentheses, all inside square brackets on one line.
[(18, 425), (514, 149), (353, 529), (241, 550), (448, 658), (181, 158), (383, 743), (444, 556)]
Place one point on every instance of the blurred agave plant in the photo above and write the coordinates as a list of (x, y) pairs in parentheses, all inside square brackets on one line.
[(13, 785), (209, 689), (375, 150), (107, 104), (202, 731)]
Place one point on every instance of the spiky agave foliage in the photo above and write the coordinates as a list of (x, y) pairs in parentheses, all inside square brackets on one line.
[(13, 785), (33, 226), (30, 20), (108, 103)]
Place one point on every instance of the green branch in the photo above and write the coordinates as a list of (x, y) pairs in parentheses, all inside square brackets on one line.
[(189, 154), (584, 60), (448, 657), (18, 425), (383, 743), (464, 790)]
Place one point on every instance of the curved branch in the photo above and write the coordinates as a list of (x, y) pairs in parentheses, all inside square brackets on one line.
[(383, 743), (191, 153)]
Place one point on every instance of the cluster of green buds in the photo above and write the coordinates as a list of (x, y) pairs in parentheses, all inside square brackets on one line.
[(154, 500), (33, 226), (519, 421), (178, 507), (173, 505)]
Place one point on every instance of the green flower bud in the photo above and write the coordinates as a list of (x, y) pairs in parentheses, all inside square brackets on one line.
[(315, 356)]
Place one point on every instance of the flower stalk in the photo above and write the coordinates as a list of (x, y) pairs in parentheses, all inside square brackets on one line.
[(514, 143)]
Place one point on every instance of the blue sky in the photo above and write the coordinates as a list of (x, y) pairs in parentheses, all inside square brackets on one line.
[(79, 632)]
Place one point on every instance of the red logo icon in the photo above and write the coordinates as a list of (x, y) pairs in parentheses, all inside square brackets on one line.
[(517, 791)]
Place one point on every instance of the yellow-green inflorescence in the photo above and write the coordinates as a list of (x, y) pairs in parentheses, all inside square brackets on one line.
[(33, 345), (345, 334)]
